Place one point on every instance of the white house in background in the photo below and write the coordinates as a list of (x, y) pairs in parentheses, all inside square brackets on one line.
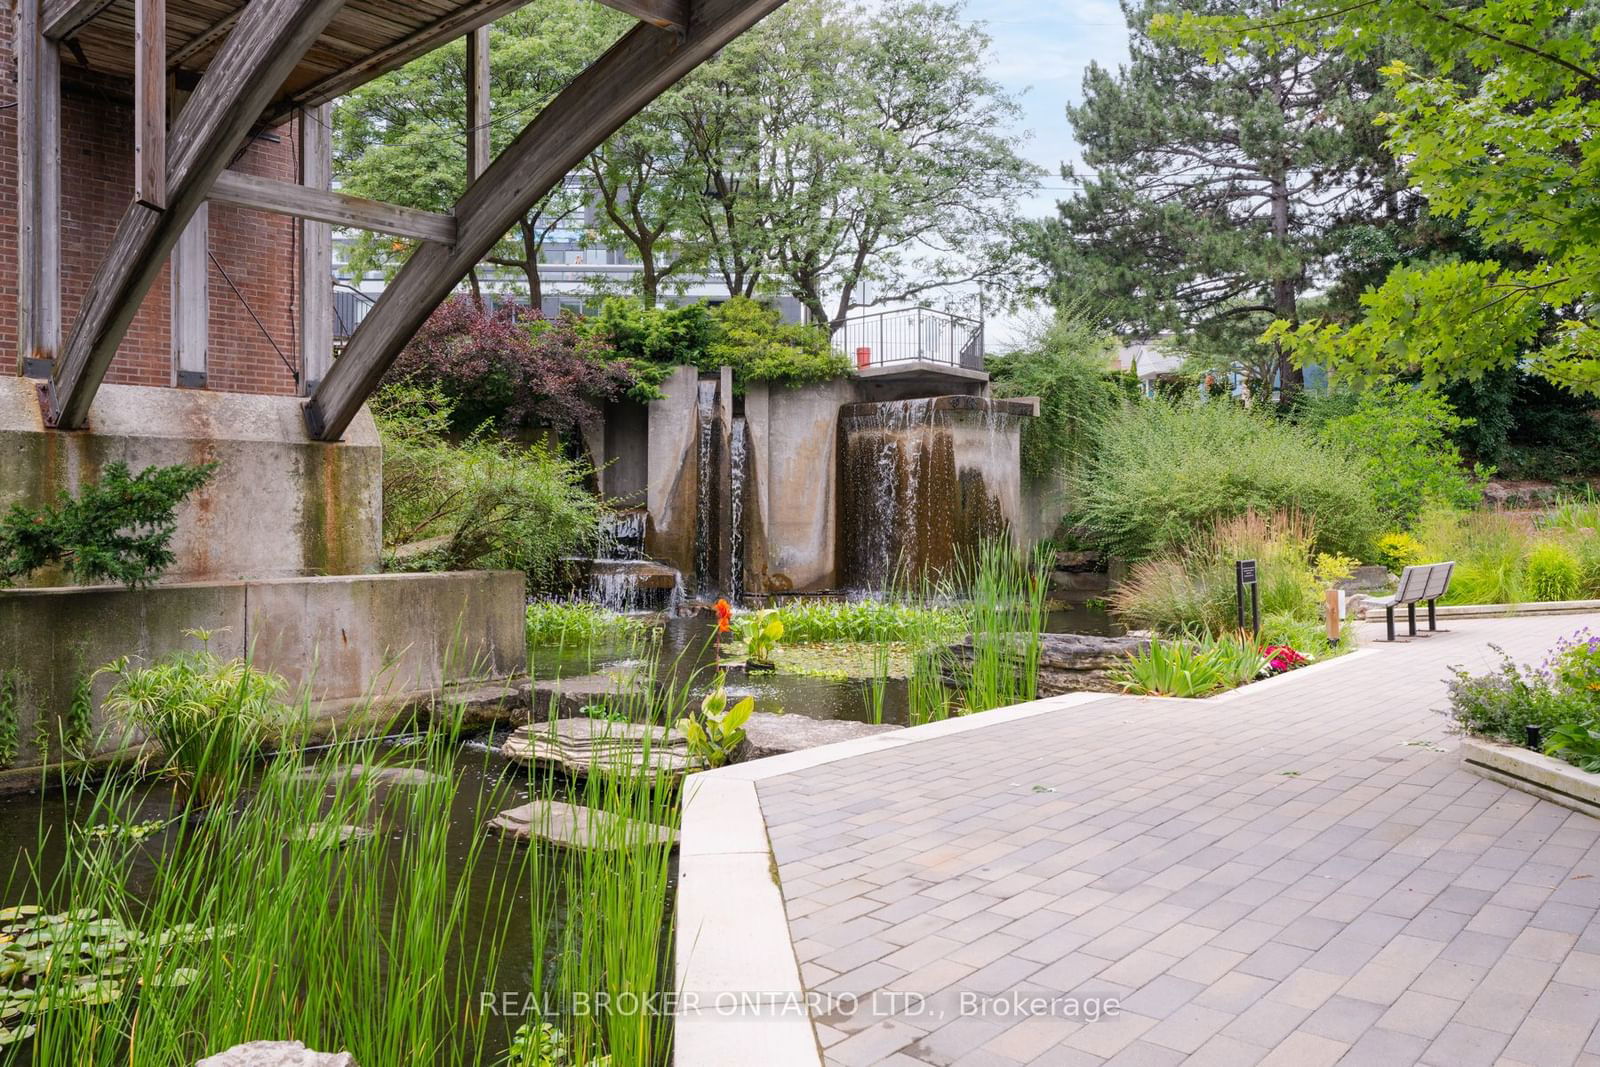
[(1154, 362)]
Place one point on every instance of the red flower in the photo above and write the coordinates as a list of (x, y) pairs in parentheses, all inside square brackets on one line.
[(1282, 657), (724, 615)]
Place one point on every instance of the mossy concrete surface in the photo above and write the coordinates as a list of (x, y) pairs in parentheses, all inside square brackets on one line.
[(278, 506), (355, 642)]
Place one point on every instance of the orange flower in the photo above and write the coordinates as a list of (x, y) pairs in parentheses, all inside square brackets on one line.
[(724, 614)]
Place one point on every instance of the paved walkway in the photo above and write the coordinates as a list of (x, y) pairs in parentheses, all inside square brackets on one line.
[(1297, 873)]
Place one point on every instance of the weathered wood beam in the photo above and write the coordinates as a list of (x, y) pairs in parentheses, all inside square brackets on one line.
[(191, 302), (316, 251), (477, 103), (265, 46), (637, 69), (150, 103), (203, 40), (463, 19), (667, 14), (63, 18), (340, 209), (38, 193)]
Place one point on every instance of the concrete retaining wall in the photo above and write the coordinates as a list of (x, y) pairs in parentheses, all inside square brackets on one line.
[(333, 639), (672, 472), (278, 506)]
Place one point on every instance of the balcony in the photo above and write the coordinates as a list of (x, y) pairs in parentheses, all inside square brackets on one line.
[(917, 342)]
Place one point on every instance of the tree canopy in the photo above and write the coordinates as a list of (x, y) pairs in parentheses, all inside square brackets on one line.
[(1220, 192), (1497, 124)]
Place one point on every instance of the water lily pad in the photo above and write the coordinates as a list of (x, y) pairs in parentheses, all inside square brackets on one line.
[(22, 911), (11, 1037), (173, 979), (92, 992)]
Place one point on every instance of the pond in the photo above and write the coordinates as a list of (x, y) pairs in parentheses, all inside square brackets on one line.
[(837, 683), (503, 920)]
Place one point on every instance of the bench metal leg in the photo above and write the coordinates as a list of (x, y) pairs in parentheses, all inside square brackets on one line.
[(1433, 622), (1411, 618), (1388, 616)]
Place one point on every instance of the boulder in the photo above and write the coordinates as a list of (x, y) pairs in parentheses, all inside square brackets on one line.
[(277, 1054), (1070, 663), (767, 734)]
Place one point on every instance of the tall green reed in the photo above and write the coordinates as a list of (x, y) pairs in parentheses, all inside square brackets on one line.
[(1008, 588)]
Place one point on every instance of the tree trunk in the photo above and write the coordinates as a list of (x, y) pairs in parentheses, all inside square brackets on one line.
[(530, 266)]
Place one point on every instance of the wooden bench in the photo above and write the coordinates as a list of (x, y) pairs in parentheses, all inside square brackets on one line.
[(1425, 583)]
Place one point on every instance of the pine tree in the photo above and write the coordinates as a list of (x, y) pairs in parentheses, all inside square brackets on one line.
[(1220, 193)]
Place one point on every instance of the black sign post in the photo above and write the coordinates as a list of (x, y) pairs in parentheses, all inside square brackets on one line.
[(1244, 573)]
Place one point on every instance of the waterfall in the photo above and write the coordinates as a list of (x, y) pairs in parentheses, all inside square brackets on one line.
[(705, 530), (621, 577), (736, 468), (920, 484)]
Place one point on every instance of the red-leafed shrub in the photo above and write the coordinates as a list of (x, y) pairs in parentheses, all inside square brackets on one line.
[(512, 367)]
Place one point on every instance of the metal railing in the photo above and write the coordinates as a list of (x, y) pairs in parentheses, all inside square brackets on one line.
[(909, 336)]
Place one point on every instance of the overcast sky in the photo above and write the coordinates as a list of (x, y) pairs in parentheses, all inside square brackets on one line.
[(1040, 50)]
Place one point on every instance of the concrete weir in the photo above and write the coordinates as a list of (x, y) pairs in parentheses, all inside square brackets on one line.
[(922, 480)]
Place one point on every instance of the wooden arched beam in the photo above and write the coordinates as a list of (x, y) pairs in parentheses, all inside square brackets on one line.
[(264, 47), (636, 70)]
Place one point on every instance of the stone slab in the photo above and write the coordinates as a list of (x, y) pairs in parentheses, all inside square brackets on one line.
[(768, 734), (277, 1054), (575, 826), (581, 747)]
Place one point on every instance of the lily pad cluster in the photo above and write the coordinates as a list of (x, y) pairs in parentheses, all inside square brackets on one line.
[(77, 959)]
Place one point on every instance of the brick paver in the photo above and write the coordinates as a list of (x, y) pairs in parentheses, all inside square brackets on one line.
[(1295, 875)]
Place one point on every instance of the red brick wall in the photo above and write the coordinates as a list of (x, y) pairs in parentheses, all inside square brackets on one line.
[(259, 252)]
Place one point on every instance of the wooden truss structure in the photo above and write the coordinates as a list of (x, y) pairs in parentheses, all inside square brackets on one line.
[(258, 64)]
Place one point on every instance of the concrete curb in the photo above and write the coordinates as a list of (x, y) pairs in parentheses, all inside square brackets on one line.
[(1534, 773)]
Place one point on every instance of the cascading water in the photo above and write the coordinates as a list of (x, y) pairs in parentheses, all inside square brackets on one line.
[(919, 481), (621, 577), (705, 502), (736, 468)]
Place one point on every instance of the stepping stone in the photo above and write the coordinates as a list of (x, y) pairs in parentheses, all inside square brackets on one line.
[(573, 826), (565, 698), (276, 1054), (584, 746), (383, 775), (330, 835), (767, 734)]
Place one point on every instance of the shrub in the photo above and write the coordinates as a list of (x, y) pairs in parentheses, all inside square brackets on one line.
[(745, 335), (485, 502), (1165, 468), (1065, 366), (753, 339), (1553, 572), (1193, 587), (118, 529), (1401, 435), (206, 713), (1398, 550), (511, 367)]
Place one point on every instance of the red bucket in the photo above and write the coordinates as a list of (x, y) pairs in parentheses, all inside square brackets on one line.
[(863, 357)]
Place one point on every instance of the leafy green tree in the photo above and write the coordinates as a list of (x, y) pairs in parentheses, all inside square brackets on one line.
[(1403, 435), (403, 137), (1066, 365), (1220, 190), (1498, 131), (871, 151)]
